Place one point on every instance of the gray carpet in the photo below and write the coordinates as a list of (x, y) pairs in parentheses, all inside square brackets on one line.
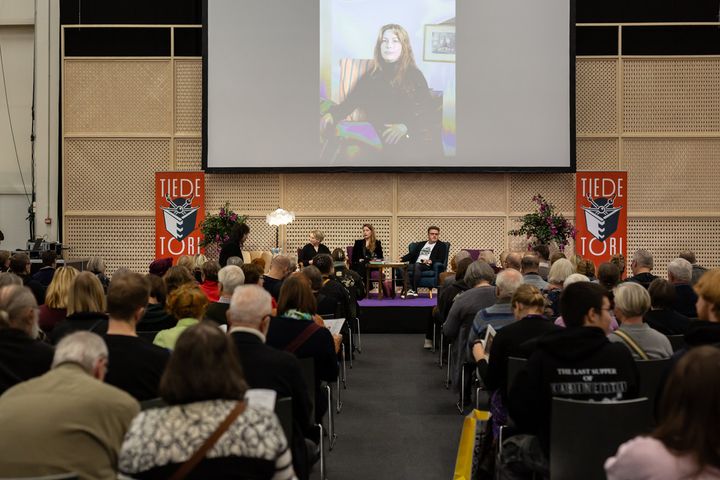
[(398, 420)]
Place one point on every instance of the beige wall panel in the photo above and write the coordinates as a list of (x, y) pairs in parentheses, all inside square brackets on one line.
[(345, 193), (262, 235), (113, 174), (339, 231), (596, 96), (435, 192), (557, 188), (121, 241), (188, 96), (598, 154), (117, 96), (188, 154), (664, 238), (671, 95), (255, 194), (672, 175), (461, 232)]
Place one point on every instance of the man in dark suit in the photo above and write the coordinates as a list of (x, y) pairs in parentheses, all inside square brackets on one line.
[(229, 278), (423, 257), (680, 275), (266, 367), (45, 275)]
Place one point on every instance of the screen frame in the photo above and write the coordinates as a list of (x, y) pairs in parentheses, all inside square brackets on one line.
[(394, 169)]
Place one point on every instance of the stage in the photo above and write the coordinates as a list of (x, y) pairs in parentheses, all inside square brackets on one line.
[(396, 315)]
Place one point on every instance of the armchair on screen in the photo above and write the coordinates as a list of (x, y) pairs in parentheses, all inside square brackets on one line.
[(430, 278)]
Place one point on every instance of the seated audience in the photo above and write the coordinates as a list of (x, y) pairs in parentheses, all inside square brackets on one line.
[(559, 272), (680, 275), (20, 266), (4, 261), (608, 275), (641, 266), (632, 301), (187, 261), (447, 295), (273, 280), (697, 270), (585, 267), (236, 261), (529, 267), (448, 276), (137, 364), (22, 356), (488, 257), (160, 266), (685, 442), (422, 257), (543, 254), (156, 318), (349, 278), (557, 369), (177, 276), (260, 262), (186, 303), (555, 256), (619, 261), (705, 330), (501, 313), (209, 284), (578, 277), (45, 275), (203, 386), (313, 248), (198, 261), (66, 420), (229, 278), (96, 265), (661, 315), (325, 304), (331, 288), (270, 368), (54, 310), (514, 261), (7, 279), (85, 308)]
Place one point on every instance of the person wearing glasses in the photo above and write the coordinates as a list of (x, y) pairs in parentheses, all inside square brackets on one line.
[(422, 258)]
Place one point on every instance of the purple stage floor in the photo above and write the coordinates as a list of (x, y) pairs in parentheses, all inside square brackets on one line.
[(422, 301)]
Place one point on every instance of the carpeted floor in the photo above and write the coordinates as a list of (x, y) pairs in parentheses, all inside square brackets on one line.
[(398, 420)]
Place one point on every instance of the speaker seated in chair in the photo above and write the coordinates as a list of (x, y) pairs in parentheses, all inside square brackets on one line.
[(426, 261)]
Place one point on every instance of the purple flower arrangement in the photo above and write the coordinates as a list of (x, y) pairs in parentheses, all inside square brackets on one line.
[(216, 228), (545, 226)]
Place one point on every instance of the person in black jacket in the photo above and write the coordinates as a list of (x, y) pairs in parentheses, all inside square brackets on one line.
[(364, 250), (315, 247), (20, 266), (424, 257), (577, 362), (661, 316), (234, 244)]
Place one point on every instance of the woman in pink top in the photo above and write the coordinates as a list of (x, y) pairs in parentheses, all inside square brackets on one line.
[(686, 443)]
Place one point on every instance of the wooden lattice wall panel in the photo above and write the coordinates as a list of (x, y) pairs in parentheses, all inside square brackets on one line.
[(427, 193), (596, 96), (351, 194), (558, 189), (188, 154), (461, 232), (188, 96), (262, 235), (117, 96), (665, 238), (127, 242), (672, 175), (671, 95), (520, 243), (248, 194), (598, 154), (113, 174), (339, 232)]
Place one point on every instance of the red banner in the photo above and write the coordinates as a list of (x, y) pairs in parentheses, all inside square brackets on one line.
[(601, 215), (179, 212)]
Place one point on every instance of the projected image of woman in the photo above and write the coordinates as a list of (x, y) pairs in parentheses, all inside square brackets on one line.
[(394, 97)]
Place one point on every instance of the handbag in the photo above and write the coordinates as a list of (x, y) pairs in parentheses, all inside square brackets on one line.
[(472, 439)]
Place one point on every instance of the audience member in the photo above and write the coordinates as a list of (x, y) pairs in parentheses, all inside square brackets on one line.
[(706, 330), (514, 261), (529, 267), (661, 316), (555, 256), (273, 280), (253, 275), (160, 266), (619, 261), (503, 259), (96, 265), (685, 442), (332, 288), (7, 279), (4, 261), (543, 254), (350, 279), (209, 284), (632, 301), (22, 356), (229, 278), (641, 265), (204, 387), (186, 303), (260, 262), (20, 266), (199, 261), (137, 364), (448, 276), (54, 310), (45, 275), (697, 270), (608, 275), (156, 318), (176, 277), (488, 257), (85, 308), (586, 267), (557, 369), (236, 261), (66, 420), (313, 248), (270, 368), (680, 275), (187, 261), (448, 294), (501, 313), (559, 272), (233, 246)]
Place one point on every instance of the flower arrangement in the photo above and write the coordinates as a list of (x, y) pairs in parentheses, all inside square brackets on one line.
[(216, 228), (545, 226)]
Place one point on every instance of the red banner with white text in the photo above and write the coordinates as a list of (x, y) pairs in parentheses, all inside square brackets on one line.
[(179, 212)]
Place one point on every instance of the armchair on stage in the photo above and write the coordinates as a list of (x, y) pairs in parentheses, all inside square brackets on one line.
[(429, 278)]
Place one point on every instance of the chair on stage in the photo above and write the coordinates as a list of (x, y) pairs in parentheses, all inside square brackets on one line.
[(430, 278)]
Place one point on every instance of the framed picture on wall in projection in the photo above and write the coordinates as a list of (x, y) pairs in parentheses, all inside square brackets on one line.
[(439, 45)]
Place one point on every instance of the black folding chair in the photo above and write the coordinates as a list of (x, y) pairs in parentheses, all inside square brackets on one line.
[(283, 410), (676, 341)]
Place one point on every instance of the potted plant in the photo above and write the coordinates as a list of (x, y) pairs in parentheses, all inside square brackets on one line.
[(216, 228), (545, 226)]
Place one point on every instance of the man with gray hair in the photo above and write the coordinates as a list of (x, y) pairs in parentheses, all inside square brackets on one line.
[(22, 356), (697, 270), (265, 367), (641, 265), (530, 265), (237, 261), (680, 275), (75, 420), (514, 261), (500, 314), (229, 278)]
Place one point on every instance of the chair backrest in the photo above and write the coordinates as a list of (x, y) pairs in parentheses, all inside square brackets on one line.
[(283, 410), (349, 250), (150, 336), (515, 366), (651, 374), (676, 341), (152, 403), (307, 366), (584, 434)]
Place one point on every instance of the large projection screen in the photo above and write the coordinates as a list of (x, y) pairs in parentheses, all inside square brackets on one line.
[(388, 85)]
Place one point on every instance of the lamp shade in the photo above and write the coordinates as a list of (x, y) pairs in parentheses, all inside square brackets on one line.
[(280, 217)]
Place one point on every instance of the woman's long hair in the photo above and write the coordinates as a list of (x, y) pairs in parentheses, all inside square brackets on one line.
[(296, 294), (690, 406), (371, 244), (404, 63)]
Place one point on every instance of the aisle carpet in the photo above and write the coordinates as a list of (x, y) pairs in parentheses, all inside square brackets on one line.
[(398, 420)]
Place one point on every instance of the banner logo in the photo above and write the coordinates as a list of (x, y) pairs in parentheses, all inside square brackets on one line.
[(179, 212), (601, 217), (180, 217)]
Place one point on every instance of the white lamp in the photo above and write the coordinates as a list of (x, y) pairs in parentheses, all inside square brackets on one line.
[(277, 218)]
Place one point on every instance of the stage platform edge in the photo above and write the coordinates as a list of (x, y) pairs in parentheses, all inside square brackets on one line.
[(396, 315)]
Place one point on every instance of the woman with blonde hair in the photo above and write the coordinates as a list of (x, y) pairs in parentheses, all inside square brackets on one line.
[(54, 310), (85, 307), (187, 303), (313, 248)]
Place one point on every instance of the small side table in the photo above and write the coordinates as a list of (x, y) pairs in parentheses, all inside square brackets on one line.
[(380, 266)]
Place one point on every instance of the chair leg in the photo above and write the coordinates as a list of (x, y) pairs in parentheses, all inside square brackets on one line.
[(331, 419), (322, 452), (344, 368), (449, 358), (442, 347), (352, 347), (461, 405), (477, 398), (433, 339), (359, 340)]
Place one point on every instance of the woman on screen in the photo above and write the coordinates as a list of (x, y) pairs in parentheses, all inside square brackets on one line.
[(366, 249), (393, 96)]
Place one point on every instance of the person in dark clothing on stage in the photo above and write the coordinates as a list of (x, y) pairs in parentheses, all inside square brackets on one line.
[(233, 247), (364, 250), (312, 249), (423, 257)]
